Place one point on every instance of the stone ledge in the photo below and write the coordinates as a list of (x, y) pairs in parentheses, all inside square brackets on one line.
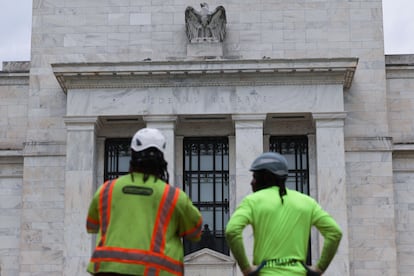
[(408, 147), (11, 153), (44, 148), (364, 144)]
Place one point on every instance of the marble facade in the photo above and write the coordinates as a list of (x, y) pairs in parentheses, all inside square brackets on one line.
[(101, 69)]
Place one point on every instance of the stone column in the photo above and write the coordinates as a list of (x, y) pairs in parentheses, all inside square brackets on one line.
[(80, 181), (179, 161), (248, 145), (166, 124), (232, 171), (330, 177)]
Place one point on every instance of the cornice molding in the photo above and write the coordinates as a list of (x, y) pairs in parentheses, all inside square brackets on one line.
[(9, 79), (399, 71), (188, 73)]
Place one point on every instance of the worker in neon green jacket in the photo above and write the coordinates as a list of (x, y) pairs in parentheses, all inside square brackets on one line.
[(139, 218), (281, 220)]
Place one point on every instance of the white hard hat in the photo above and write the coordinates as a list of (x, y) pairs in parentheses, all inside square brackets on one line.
[(146, 138)]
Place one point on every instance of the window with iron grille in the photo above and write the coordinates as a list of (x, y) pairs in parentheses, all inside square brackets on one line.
[(117, 155), (206, 181), (295, 149)]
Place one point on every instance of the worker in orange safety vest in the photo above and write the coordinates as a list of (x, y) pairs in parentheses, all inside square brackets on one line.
[(140, 219)]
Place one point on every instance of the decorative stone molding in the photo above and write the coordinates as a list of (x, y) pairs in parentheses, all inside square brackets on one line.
[(188, 73), (9, 79), (399, 66), (16, 66), (403, 147), (403, 161), (11, 164), (330, 119), (79, 123), (400, 71), (208, 256)]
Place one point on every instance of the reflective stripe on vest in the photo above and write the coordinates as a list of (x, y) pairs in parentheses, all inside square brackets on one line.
[(164, 213), (154, 259), (92, 225), (141, 257), (165, 210), (194, 232), (105, 199)]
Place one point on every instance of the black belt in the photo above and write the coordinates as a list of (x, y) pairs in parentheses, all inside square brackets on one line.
[(282, 262)]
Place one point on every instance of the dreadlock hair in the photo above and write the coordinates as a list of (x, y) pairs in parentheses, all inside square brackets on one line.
[(149, 162), (266, 179)]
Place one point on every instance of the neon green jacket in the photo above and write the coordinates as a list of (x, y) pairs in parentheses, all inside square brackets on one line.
[(140, 226), (281, 232)]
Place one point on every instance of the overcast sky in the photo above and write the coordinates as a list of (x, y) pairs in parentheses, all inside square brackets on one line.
[(16, 18)]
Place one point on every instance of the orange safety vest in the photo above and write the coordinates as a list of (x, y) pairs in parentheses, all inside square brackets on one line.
[(153, 259)]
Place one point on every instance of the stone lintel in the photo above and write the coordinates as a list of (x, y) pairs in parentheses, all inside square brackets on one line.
[(160, 118), (249, 117)]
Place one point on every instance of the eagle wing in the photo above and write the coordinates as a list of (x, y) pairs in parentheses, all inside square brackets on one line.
[(218, 22), (192, 23)]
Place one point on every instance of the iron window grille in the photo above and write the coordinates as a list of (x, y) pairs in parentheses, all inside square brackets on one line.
[(295, 149), (206, 181), (117, 155)]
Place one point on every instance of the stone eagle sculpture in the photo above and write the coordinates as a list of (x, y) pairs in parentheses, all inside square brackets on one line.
[(204, 25)]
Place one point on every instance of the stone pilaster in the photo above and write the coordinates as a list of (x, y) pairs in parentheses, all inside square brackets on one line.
[(80, 181), (179, 160), (232, 167), (166, 124), (248, 145), (330, 177)]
